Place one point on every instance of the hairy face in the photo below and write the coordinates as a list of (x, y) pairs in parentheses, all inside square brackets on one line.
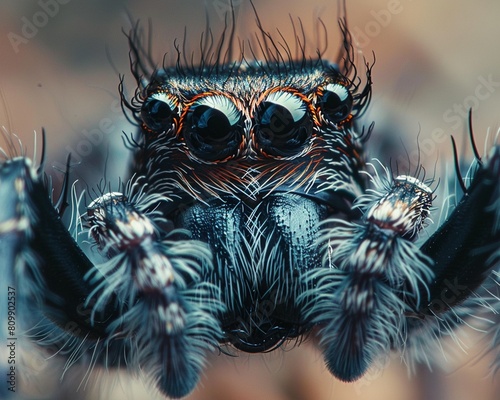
[(253, 156)]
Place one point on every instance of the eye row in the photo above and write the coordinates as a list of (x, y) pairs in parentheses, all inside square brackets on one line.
[(213, 126)]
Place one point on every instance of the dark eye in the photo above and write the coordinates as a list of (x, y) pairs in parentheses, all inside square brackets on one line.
[(336, 102), (283, 124), (213, 128), (158, 111)]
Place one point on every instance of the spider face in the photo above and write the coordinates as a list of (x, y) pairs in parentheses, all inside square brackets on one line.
[(252, 217), (250, 157)]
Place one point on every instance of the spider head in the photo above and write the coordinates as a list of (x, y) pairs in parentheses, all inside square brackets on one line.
[(254, 157)]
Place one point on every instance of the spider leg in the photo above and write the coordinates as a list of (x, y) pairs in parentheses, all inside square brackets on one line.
[(372, 267), (466, 254), (146, 301), (39, 256), (156, 280), (467, 246)]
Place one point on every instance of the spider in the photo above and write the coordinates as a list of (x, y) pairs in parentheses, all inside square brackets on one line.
[(252, 217)]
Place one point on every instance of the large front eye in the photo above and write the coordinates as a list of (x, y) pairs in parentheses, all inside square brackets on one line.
[(214, 128), (283, 124), (335, 102), (158, 112)]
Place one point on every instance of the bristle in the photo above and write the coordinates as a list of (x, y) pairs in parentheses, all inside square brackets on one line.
[(157, 285)]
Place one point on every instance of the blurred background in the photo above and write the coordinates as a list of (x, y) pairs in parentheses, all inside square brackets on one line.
[(59, 66)]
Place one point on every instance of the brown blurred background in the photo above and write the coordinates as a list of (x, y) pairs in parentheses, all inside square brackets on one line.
[(434, 60)]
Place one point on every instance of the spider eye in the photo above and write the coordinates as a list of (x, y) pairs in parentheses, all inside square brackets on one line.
[(283, 125), (158, 111), (336, 102), (213, 129)]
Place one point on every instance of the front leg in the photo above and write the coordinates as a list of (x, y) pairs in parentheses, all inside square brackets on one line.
[(145, 308), (371, 269), (155, 279), (466, 251), (467, 246), (39, 256)]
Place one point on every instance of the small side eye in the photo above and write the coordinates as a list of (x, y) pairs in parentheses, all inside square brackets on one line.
[(283, 124), (214, 128), (336, 102), (158, 111)]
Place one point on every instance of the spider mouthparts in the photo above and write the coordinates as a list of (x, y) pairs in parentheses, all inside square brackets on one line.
[(260, 339)]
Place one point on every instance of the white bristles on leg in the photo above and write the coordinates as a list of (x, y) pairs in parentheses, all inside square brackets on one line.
[(372, 271), (157, 285)]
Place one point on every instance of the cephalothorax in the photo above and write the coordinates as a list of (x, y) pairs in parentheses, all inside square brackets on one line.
[(250, 218)]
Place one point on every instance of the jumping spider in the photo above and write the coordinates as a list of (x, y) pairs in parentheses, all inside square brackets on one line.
[(251, 217)]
